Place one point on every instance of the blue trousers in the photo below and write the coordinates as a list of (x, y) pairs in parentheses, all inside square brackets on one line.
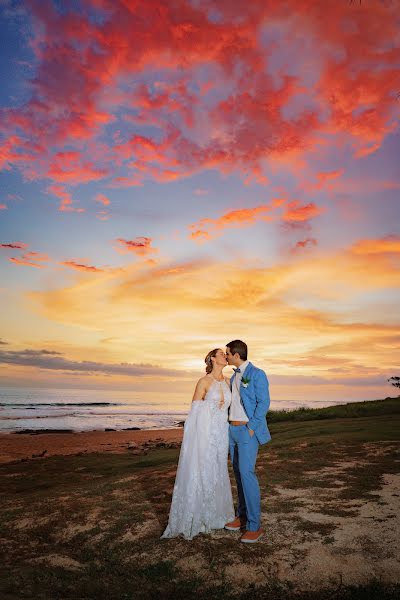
[(243, 449)]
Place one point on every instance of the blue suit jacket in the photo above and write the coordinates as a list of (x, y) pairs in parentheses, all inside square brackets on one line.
[(255, 401)]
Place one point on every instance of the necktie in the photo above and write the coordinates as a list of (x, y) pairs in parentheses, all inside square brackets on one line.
[(237, 370)]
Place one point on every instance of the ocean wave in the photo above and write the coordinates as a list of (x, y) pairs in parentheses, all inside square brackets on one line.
[(29, 418), (92, 415), (36, 404)]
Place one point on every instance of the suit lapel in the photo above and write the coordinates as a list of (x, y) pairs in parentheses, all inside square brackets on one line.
[(245, 374), (247, 370)]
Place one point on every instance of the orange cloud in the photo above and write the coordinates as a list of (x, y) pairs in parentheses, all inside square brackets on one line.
[(298, 324), (390, 244), (326, 180), (295, 212), (244, 217), (103, 215), (25, 263), (3, 206), (199, 234), (141, 246), (36, 256), (102, 199), (31, 259)]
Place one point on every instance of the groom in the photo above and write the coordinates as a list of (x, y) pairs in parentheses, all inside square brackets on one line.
[(247, 429)]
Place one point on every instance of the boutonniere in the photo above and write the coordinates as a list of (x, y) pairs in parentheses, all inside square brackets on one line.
[(245, 381)]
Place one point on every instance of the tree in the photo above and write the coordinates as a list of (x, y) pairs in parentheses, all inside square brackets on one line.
[(394, 381)]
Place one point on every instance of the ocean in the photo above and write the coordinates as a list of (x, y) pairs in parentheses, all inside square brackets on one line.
[(87, 410)]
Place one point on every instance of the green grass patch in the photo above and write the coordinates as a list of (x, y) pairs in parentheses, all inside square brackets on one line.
[(350, 410)]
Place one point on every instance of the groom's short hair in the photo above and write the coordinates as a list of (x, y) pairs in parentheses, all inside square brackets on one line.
[(239, 347)]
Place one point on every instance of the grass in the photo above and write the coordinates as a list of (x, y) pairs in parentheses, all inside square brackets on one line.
[(88, 527), (351, 410)]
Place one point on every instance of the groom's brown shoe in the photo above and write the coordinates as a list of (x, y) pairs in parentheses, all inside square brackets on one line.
[(251, 537), (236, 524)]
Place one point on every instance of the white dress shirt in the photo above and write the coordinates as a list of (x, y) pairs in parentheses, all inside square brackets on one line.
[(237, 412)]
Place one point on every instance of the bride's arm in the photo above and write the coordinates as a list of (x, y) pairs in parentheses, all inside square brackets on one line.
[(200, 390), (198, 405)]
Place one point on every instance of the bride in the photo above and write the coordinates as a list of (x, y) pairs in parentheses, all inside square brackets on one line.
[(202, 495)]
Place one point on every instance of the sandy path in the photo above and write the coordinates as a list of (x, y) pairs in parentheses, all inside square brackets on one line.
[(22, 446)]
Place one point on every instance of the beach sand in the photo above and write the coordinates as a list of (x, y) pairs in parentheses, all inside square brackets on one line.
[(25, 446)]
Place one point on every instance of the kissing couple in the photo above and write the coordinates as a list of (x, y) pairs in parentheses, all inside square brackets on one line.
[(226, 414)]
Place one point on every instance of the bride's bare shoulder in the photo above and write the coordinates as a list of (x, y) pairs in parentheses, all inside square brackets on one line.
[(201, 388)]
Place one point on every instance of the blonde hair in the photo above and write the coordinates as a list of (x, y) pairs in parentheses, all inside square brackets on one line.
[(208, 361)]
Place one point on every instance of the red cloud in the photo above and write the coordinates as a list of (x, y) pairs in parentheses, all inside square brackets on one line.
[(303, 244), (81, 267), (15, 246), (7, 154), (66, 201), (30, 259), (141, 246), (3, 206), (71, 167), (216, 99)]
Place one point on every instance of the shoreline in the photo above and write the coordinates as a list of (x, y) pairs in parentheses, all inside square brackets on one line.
[(32, 446), (39, 443), (29, 431)]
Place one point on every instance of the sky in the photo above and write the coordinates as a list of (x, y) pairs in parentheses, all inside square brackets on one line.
[(177, 174)]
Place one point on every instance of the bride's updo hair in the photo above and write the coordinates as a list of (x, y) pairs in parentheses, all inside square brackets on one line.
[(208, 361)]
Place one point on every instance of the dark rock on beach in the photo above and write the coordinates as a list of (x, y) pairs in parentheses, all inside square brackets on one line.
[(40, 455), (39, 431)]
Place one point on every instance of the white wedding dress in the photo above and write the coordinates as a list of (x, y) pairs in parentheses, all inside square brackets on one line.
[(202, 496)]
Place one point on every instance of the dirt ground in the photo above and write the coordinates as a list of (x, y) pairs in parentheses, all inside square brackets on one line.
[(88, 524), (26, 445)]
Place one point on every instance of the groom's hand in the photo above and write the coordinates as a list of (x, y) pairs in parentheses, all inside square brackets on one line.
[(251, 432)]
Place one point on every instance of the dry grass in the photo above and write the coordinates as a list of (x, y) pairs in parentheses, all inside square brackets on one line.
[(89, 526)]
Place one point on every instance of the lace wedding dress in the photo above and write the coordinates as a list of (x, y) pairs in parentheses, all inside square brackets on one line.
[(202, 495)]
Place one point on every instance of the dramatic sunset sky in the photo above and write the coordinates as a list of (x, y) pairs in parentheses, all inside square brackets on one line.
[(175, 174)]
